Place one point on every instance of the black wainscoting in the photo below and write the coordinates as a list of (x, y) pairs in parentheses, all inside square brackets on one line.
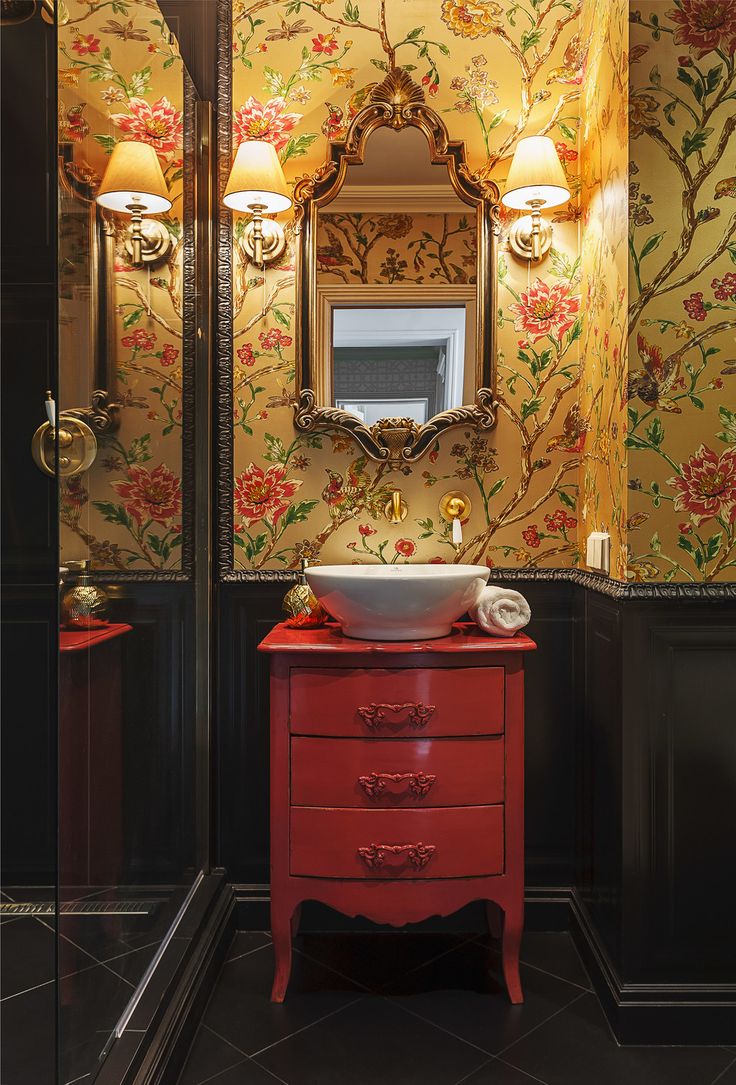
[(658, 804)]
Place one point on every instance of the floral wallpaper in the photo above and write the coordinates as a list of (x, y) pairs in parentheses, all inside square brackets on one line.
[(681, 400), (396, 248), (604, 200), (121, 77), (301, 70)]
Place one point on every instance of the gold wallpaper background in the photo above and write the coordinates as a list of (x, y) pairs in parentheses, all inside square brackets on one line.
[(121, 77), (682, 286), (604, 203), (300, 72), (616, 355)]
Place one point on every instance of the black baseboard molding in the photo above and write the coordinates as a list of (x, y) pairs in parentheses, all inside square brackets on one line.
[(652, 1013), (154, 1045), (546, 909)]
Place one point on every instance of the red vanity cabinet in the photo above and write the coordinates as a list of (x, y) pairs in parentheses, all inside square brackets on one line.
[(397, 780)]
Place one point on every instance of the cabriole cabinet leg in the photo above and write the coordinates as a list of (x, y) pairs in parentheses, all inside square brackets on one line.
[(512, 929), (281, 928)]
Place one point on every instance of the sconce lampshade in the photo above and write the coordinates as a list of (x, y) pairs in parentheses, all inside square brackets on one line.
[(536, 174), (257, 179), (134, 176)]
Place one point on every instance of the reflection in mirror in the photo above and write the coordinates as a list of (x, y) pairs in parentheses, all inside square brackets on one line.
[(396, 250), (126, 746), (405, 363)]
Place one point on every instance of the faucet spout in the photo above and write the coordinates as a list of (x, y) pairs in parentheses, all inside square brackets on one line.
[(395, 508)]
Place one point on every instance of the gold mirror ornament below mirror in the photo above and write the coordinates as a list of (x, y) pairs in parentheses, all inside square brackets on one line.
[(395, 363)]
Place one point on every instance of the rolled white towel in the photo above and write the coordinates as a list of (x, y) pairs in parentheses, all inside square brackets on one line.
[(501, 612)]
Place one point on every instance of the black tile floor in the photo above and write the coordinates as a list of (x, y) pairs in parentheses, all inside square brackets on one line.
[(100, 961), (423, 1009)]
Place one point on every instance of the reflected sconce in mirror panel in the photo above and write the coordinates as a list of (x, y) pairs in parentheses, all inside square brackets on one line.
[(128, 150), (396, 268)]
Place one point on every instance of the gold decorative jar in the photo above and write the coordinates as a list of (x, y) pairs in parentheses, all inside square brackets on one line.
[(301, 606)]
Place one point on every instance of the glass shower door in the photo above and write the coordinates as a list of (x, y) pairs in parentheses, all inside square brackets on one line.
[(126, 774)]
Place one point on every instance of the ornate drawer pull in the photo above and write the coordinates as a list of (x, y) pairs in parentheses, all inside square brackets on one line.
[(375, 783), (419, 713), (374, 855)]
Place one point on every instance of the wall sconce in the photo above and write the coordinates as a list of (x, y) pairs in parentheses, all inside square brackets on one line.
[(257, 185), (133, 185), (536, 180)]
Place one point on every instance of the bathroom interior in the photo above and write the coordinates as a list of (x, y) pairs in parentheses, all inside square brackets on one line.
[(320, 369)]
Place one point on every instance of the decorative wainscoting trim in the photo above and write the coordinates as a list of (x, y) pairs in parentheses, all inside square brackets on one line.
[(638, 1013), (224, 449), (188, 344), (616, 589)]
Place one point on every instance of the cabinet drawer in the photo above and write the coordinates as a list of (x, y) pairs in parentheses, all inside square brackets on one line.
[(432, 701), (455, 842), (394, 772)]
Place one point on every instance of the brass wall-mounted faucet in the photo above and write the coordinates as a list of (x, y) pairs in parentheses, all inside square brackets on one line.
[(396, 508)]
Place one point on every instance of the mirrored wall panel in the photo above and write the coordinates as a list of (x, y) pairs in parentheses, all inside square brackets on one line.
[(127, 640)]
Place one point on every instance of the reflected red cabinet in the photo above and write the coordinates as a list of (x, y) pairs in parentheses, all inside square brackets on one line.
[(397, 780), (90, 756)]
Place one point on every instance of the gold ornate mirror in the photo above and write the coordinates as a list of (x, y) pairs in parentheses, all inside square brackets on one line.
[(396, 265)]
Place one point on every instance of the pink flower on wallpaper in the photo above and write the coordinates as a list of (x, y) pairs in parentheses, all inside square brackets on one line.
[(405, 547), (706, 486), (160, 124), (325, 43), (86, 43), (530, 535), (139, 340), (694, 306), (254, 120), (366, 530), (725, 288), (263, 495), (565, 153), (246, 355), (545, 310), (169, 354), (274, 339), (559, 521), (705, 25), (150, 495)]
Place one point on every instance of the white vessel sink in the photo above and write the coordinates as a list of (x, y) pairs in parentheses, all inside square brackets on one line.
[(397, 602)]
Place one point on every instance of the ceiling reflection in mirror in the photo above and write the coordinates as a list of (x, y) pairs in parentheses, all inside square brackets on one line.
[(398, 362)]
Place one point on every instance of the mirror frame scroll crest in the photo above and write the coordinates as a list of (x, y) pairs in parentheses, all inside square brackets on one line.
[(398, 102)]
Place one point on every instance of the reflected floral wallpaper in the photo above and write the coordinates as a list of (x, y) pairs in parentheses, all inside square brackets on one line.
[(681, 404), (121, 77), (301, 70), (396, 248)]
